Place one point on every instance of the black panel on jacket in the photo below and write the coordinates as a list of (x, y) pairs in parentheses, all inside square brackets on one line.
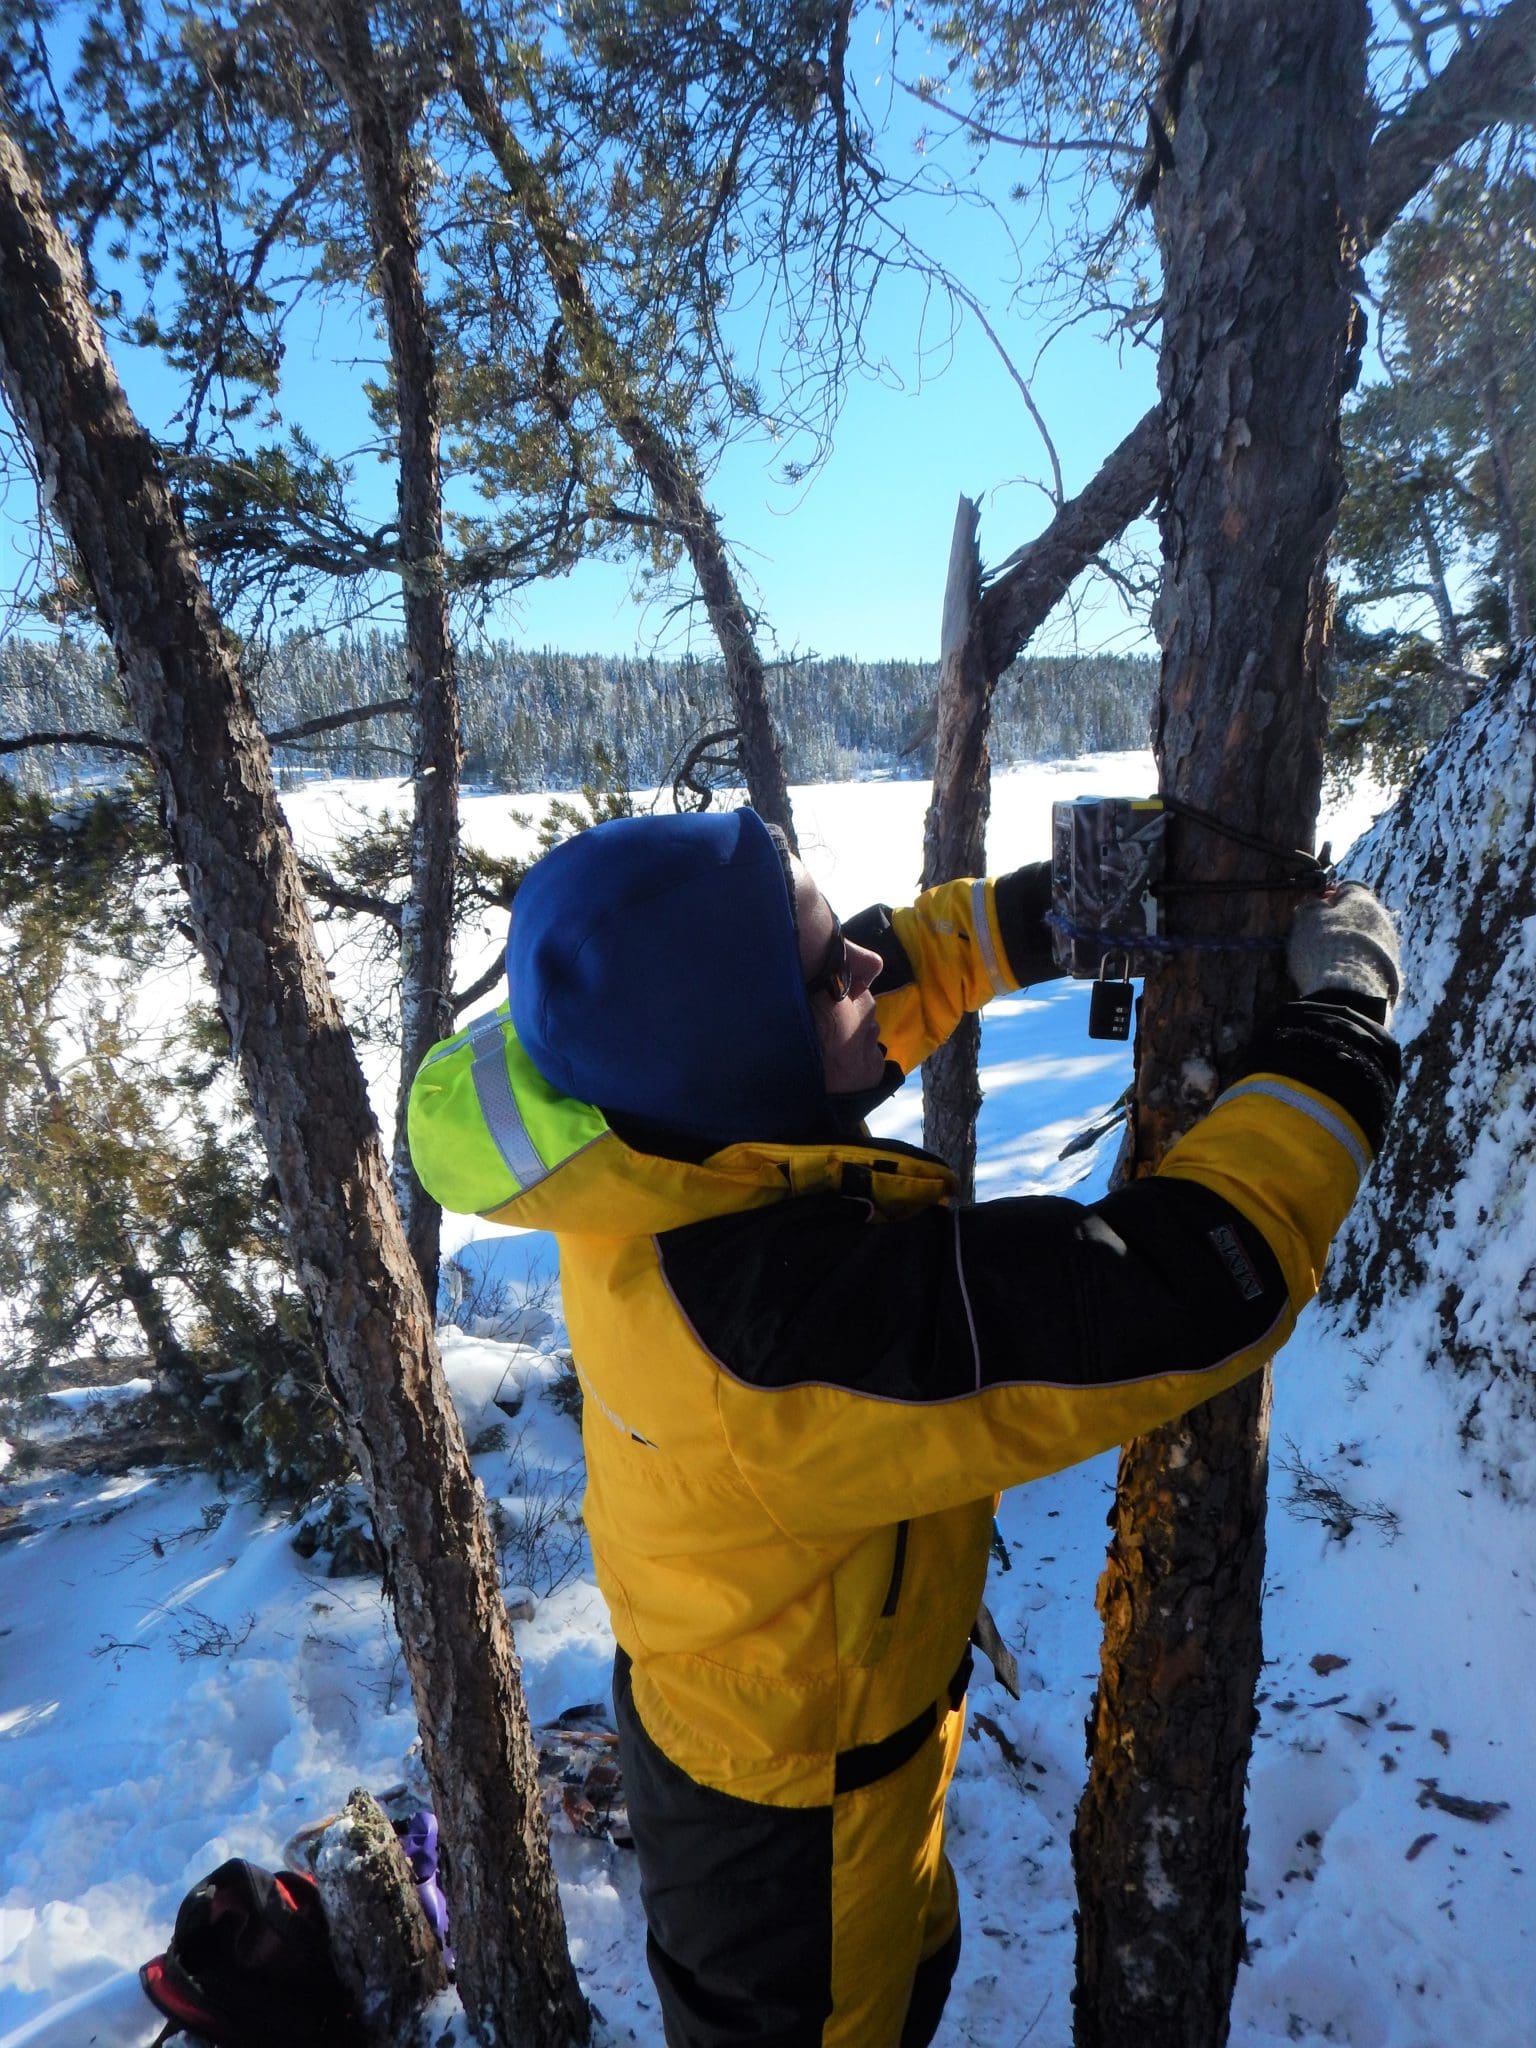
[(1162, 1276), (817, 1288), (1336, 1051)]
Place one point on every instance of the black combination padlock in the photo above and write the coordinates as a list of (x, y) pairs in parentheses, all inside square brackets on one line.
[(1111, 1005)]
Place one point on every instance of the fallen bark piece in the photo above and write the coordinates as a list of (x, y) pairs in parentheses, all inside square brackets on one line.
[(383, 1944), (1005, 1666), (985, 1725), (1326, 1661), (1453, 1803)]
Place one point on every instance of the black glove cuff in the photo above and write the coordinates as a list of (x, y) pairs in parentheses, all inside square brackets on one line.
[(1326, 1044), (1022, 900), (1375, 1009), (873, 928)]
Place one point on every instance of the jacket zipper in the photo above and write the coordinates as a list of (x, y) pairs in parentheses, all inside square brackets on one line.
[(893, 1591)]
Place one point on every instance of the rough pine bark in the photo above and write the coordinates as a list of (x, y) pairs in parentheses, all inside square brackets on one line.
[(336, 34), (246, 902), (1258, 212), (667, 469)]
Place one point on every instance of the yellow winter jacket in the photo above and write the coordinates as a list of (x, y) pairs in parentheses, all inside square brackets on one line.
[(808, 1371)]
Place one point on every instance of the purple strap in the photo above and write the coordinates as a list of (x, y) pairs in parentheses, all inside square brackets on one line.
[(419, 1842)]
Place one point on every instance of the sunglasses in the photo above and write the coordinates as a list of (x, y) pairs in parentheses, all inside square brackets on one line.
[(834, 977)]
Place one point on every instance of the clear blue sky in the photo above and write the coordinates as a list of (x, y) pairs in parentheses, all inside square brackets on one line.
[(852, 561)]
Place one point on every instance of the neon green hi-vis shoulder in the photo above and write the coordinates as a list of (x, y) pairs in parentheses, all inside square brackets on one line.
[(484, 1125)]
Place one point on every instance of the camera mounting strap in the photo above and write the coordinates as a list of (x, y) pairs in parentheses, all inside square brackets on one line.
[(1307, 871)]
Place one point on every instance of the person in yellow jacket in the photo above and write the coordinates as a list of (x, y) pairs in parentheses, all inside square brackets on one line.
[(808, 1370)]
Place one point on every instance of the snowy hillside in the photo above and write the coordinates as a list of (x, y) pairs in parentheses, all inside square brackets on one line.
[(1450, 1236), (178, 1685)]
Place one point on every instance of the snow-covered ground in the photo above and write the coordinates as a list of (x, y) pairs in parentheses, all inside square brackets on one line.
[(177, 1685)]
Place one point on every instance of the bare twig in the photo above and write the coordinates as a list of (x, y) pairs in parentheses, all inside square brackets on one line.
[(969, 300), (1044, 145)]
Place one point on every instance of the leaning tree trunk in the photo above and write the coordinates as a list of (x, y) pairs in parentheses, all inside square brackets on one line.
[(246, 901), (668, 470), (336, 35), (1439, 590), (955, 835), (1257, 212)]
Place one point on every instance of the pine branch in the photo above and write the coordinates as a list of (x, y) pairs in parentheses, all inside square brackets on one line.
[(1489, 81), (480, 986), (1046, 145), (1034, 578), (323, 885), (103, 742), (1485, 82), (389, 706), (121, 743)]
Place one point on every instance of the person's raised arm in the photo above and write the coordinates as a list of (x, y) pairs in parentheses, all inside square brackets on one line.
[(959, 945), (890, 1369)]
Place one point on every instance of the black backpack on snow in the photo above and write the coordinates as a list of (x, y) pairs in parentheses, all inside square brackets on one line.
[(249, 1965)]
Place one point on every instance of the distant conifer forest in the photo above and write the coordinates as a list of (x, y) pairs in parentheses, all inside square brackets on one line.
[(539, 719)]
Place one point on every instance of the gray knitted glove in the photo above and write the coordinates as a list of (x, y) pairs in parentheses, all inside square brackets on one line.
[(1346, 940)]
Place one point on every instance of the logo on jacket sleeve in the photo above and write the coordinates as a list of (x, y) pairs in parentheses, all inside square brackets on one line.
[(1237, 1262)]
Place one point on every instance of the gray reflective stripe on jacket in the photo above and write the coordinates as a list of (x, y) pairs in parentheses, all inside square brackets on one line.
[(498, 1104), (1319, 1112)]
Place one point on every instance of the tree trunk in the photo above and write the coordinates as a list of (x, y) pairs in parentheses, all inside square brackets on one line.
[(381, 1941), (336, 35), (1258, 212), (247, 907), (1439, 590), (1511, 542), (955, 833), (172, 1365), (669, 470)]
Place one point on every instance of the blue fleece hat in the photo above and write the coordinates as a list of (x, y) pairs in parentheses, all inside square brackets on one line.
[(655, 971)]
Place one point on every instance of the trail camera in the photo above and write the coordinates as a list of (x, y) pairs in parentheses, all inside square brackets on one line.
[(1106, 865)]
